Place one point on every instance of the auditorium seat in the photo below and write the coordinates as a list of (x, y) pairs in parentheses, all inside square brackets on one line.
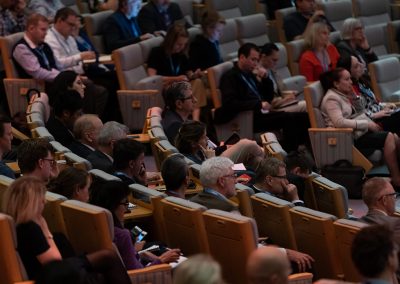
[(337, 12), (227, 9), (229, 43), (252, 28), (94, 23), (385, 78), (53, 214), (279, 16)]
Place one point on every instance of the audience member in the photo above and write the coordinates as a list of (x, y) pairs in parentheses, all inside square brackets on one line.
[(47, 8), (12, 17), (179, 105), (240, 91), (72, 183), (36, 158), (113, 195), (198, 269), (170, 61), (128, 163), (297, 24), (157, 16), (273, 5), (36, 246), (175, 173), (5, 145), (271, 178), (374, 252), (218, 180), (122, 27), (382, 113), (268, 265), (67, 106), (192, 141), (320, 56), (338, 111), (101, 158), (355, 43), (204, 51), (283, 100), (86, 130)]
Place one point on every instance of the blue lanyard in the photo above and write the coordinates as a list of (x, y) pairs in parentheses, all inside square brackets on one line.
[(175, 70), (367, 91), (252, 85)]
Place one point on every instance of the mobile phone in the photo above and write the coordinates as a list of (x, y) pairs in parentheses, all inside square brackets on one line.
[(138, 234)]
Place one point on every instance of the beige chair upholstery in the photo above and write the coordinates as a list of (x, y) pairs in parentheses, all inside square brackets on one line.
[(147, 45), (337, 11), (40, 105), (294, 49), (331, 198), (42, 132), (378, 40), (91, 228), (94, 27), (229, 43), (184, 225), (72, 5), (34, 120), (280, 15), (11, 268), (155, 135), (163, 150), (272, 147), (273, 219), (371, 12), (227, 9), (77, 162), (242, 198), (15, 88), (5, 182), (385, 77), (393, 30), (252, 28), (231, 238), (345, 231), (243, 122), (59, 150), (315, 235), (53, 214), (103, 176), (187, 10)]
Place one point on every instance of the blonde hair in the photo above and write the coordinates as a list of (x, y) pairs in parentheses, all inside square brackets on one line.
[(312, 35), (23, 199)]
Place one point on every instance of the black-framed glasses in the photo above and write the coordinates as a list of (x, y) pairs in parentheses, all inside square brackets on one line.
[(394, 194), (51, 161), (280, 177)]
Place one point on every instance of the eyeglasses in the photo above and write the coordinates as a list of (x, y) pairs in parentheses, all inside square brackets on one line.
[(394, 194), (280, 177), (52, 162), (231, 176)]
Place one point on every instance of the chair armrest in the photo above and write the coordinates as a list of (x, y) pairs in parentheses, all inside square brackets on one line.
[(150, 82), (160, 273), (18, 134), (330, 129), (302, 278)]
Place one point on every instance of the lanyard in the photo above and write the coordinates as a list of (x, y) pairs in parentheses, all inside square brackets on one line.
[(175, 70), (41, 53), (63, 43), (252, 85)]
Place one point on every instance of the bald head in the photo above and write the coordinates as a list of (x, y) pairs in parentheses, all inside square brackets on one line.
[(268, 265), (87, 128)]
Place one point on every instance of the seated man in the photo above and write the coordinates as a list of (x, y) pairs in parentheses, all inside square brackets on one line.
[(158, 15), (374, 252), (175, 173), (86, 130), (102, 157), (122, 28), (179, 105), (36, 158), (271, 179), (67, 107), (5, 145), (297, 24), (12, 17), (241, 91)]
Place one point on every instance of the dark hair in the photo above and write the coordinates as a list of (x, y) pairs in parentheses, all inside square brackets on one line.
[(175, 92), (3, 120), (30, 151), (174, 32), (210, 19), (268, 167), (268, 48), (298, 159), (64, 13), (344, 61), (63, 81), (189, 134), (126, 150), (371, 249), (109, 195), (174, 171), (328, 78), (68, 181), (246, 48), (67, 100)]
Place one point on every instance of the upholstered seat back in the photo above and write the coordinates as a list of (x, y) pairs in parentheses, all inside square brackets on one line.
[(295, 48), (227, 9), (252, 28), (280, 15), (385, 74), (228, 42), (377, 38), (372, 12), (53, 214), (337, 12), (77, 162), (7, 45), (215, 73), (314, 94), (94, 27)]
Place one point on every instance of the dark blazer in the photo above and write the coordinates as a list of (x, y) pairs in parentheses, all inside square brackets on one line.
[(376, 217), (80, 149), (213, 202), (100, 161), (150, 20), (345, 49), (59, 131), (117, 32)]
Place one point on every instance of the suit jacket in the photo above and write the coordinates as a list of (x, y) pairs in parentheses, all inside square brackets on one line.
[(213, 202), (100, 161), (376, 217), (59, 131), (117, 32), (345, 49), (151, 20), (80, 149)]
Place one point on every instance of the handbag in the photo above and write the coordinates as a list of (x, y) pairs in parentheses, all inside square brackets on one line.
[(344, 173)]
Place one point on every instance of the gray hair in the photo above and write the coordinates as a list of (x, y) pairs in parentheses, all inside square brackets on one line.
[(373, 189), (83, 124), (111, 130), (349, 25), (214, 168)]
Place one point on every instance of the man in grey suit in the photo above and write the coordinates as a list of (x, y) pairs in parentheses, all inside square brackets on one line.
[(380, 197)]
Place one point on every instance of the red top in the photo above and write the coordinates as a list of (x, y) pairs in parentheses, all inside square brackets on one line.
[(311, 67)]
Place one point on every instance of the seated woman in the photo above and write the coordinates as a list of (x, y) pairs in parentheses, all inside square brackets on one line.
[(170, 61), (24, 202), (382, 113), (338, 111), (192, 141), (320, 56), (175, 173), (72, 183), (113, 195)]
